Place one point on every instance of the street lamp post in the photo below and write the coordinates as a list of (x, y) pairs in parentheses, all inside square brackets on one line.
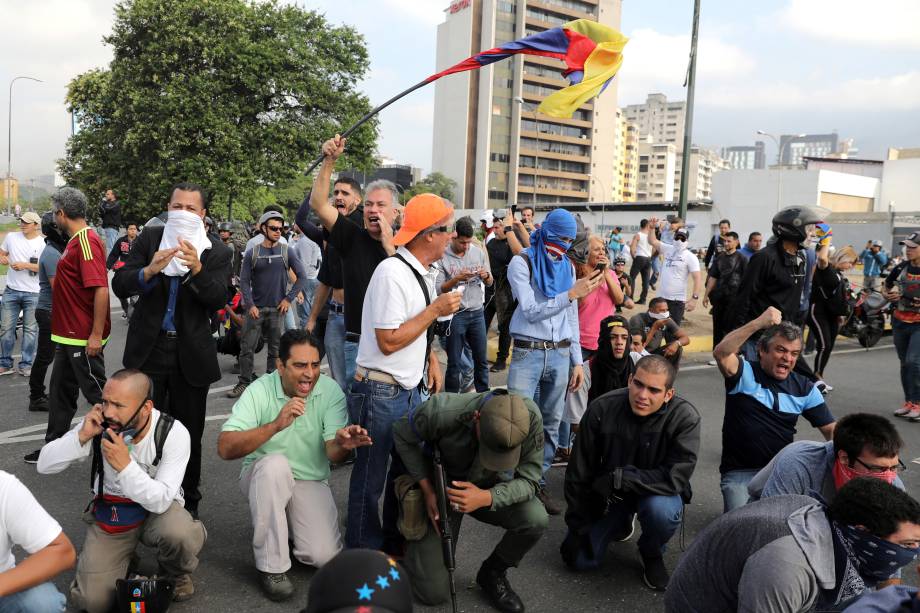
[(536, 160), (9, 143), (779, 162)]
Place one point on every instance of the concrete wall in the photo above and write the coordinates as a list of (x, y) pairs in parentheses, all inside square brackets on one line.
[(900, 186)]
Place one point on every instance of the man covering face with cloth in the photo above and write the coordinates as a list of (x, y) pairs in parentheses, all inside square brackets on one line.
[(547, 355), (180, 274)]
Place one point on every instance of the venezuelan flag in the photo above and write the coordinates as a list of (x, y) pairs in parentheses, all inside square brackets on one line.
[(138, 607), (593, 53)]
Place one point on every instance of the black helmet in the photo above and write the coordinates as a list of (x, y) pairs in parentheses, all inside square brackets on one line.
[(53, 235), (791, 222), (225, 226), (208, 222), (619, 260)]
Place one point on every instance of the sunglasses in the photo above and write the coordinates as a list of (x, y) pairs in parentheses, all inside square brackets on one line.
[(274, 228), (445, 229)]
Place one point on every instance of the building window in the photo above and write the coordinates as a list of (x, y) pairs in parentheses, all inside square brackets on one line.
[(498, 195), (506, 7)]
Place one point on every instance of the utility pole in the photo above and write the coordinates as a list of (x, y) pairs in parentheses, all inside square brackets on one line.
[(688, 120)]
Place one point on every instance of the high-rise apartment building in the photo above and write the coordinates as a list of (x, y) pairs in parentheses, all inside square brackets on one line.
[(794, 147), (658, 119), (488, 136), (703, 164), (625, 159), (746, 157), (657, 169)]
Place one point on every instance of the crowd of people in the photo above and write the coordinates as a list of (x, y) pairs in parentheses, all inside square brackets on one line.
[(381, 290)]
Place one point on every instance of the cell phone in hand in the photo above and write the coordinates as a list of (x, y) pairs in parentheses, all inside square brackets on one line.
[(600, 266), (513, 210)]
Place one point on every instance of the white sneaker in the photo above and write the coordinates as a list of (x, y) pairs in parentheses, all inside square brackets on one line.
[(914, 414), (7, 370), (712, 363), (904, 410)]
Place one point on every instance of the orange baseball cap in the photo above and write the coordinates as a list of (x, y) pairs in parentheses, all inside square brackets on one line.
[(421, 212)]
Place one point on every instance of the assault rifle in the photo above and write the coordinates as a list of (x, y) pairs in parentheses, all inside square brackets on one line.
[(447, 539)]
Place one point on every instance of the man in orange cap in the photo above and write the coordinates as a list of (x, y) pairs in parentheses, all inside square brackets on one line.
[(394, 353)]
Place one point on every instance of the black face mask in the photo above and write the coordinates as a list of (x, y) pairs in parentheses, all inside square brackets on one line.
[(128, 432)]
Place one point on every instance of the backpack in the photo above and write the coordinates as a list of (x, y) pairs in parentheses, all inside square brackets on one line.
[(258, 248), (164, 425)]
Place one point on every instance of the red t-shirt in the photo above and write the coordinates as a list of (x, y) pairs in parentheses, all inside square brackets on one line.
[(80, 271)]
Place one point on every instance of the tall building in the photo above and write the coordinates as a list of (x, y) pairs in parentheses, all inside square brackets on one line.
[(659, 119), (9, 190), (488, 136), (625, 159), (746, 157), (793, 147), (703, 164), (657, 170)]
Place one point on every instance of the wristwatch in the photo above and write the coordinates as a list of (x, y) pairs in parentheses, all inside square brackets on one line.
[(696, 296), (508, 228)]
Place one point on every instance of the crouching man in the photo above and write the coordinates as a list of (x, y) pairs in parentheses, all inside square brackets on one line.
[(139, 459), (289, 425), (491, 447), (634, 454)]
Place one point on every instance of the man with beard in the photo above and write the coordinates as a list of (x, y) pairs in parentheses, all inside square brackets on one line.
[(361, 248), (636, 451), (763, 401), (611, 366), (290, 424), (790, 553)]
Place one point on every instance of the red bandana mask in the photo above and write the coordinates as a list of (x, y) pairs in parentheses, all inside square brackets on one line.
[(556, 251), (844, 474)]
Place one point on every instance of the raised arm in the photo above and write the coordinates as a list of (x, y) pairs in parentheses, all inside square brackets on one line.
[(726, 352), (319, 195)]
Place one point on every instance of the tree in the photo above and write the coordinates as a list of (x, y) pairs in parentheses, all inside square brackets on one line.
[(233, 95), (435, 183)]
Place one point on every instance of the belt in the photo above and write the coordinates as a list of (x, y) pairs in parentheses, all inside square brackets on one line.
[(335, 307), (351, 337), (170, 334), (362, 373), (544, 345)]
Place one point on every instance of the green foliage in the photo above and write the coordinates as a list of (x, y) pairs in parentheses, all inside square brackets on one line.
[(237, 96), (435, 183)]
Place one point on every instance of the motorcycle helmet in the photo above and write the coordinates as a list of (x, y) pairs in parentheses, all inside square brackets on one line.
[(53, 235), (792, 222), (225, 226)]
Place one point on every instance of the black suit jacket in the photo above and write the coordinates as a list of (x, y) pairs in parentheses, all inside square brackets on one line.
[(199, 296)]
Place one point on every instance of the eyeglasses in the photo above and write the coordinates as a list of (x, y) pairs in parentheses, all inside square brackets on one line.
[(899, 467), (274, 228)]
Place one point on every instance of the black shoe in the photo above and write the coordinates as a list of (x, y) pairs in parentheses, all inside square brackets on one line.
[(639, 302), (498, 367), (237, 390), (32, 458), (496, 586), (39, 404), (655, 574), (552, 507)]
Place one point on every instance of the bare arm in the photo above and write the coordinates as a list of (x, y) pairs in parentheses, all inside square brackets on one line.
[(697, 283), (726, 352), (319, 194), (43, 565), (319, 299), (828, 430), (613, 287), (822, 255), (710, 285), (633, 243), (392, 340), (235, 445)]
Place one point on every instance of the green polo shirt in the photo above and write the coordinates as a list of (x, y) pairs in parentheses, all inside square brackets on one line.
[(303, 442)]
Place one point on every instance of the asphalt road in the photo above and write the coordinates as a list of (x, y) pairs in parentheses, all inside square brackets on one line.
[(227, 580)]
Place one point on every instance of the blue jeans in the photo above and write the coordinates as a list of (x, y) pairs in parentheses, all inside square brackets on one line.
[(659, 517), (309, 291), (111, 235), (656, 269), (43, 598), (907, 344), (467, 328), (543, 376), (734, 486), (351, 360), (375, 406), (15, 301), (290, 319), (335, 348)]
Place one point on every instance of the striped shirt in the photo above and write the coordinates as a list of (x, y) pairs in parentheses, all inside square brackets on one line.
[(79, 272)]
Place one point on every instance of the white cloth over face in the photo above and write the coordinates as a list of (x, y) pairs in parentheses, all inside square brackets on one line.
[(187, 226)]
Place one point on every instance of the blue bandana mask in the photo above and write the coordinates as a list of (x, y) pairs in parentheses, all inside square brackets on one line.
[(876, 558), (552, 270)]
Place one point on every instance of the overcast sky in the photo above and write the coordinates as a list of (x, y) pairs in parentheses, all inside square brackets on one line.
[(784, 66)]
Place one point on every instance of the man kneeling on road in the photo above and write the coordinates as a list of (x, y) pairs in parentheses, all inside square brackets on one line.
[(139, 459), (660, 334), (634, 454), (790, 553), (864, 445), (289, 425), (491, 445), (763, 401)]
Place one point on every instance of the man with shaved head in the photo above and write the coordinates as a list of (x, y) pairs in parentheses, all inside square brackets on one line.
[(139, 459)]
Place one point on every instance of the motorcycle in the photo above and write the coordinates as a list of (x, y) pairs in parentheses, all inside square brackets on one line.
[(866, 322)]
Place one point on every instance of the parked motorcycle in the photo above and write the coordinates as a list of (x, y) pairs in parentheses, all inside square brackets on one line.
[(866, 322)]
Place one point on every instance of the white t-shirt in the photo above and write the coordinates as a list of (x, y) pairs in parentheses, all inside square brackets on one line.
[(643, 248), (394, 297), (675, 269), (152, 487), (21, 249), (23, 521)]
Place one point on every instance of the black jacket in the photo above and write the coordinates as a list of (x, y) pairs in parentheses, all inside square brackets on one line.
[(110, 212), (198, 298), (657, 455), (119, 252), (772, 278)]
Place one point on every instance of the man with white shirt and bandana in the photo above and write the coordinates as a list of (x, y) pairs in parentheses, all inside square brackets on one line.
[(679, 265), (139, 457), (546, 359)]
